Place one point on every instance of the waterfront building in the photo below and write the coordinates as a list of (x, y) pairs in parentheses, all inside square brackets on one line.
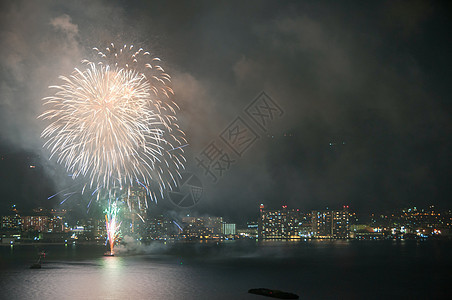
[(35, 223), (160, 227), (322, 223), (331, 223), (56, 224), (283, 223), (273, 224), (202, 227), (341, 223), (228, 229), (11, 222)]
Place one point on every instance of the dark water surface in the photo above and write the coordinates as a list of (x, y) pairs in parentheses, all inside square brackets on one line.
[(313, 270)]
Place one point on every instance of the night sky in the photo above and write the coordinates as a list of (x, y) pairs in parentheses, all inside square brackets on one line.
[(363, 88)]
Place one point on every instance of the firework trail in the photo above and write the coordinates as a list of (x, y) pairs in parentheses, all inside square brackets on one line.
[(112, 225), (115, 124)]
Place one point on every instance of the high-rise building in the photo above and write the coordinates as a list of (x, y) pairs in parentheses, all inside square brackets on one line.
[(160, 227), (283, 223), (260, 222), (274, 224), (35, 223), (228, 229), (202, 227), (194, 228), (331, 223), (56, 221), (56, 224), (341, 223), (11, 222), (213, 224), (322, 223)]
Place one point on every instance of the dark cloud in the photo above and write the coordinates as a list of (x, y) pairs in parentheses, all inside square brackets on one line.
[(371, 79)]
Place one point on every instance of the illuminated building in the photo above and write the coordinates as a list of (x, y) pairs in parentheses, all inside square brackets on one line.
[(283, 224), (414, 222), (251, 230), (341, 224), (35, 223), (322, 223), (273, 224), (213, 224), (195, 230), (228, 229), (155, 228), (56, 222), (260, 221), (331, 223), (252, 225), (89, 229), (299, 224), (99, 229), (12, 222), (304, 225), (44, 220), (202, 227), (78, 232), (160, 228)]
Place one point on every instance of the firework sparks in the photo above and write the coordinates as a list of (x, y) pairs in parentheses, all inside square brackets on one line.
[(115, 123), (112, 225)]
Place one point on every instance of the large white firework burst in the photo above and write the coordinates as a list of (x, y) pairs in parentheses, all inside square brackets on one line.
[(115, 122)]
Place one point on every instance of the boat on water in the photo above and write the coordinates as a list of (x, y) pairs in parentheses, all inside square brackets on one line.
[(109, 253), (37, 265), (41, 255), (273, 293)]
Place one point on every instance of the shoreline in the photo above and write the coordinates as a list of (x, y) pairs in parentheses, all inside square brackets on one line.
[(269, 241)]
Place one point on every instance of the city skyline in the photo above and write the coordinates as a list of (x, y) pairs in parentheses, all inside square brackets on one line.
[(334, 223)]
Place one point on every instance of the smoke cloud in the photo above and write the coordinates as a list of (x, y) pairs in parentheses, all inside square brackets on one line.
[(366, 105)]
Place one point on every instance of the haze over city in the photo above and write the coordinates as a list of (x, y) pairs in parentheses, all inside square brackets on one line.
[(363, 88), (225, 150)]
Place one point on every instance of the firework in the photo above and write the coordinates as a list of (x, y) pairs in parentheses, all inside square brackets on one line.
[(112, 225), (114, 122)]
